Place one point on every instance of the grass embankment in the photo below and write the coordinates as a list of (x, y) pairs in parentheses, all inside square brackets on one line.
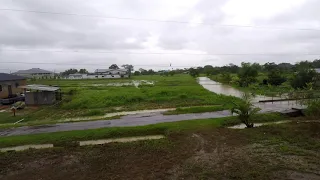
[(69, 137), (83, 98), (197, 109), (286, 151)]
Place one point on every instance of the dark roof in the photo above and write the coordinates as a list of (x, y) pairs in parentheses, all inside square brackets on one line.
[(32, 71), (10, 77)]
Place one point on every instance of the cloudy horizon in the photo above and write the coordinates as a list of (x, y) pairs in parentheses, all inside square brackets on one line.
[(154, 34)]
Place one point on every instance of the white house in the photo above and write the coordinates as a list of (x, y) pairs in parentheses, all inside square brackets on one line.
[(102, 74), (35, 73)]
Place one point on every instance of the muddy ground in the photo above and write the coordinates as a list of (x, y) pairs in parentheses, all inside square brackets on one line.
[(286, 151)]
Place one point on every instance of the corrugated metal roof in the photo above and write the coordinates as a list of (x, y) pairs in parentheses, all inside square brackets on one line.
[(40, 87), (33, 71), (10, 77)]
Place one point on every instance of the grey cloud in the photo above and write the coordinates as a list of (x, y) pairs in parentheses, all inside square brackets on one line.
[(43, 31)]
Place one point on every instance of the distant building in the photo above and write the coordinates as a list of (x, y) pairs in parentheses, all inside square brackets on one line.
[(317, 70), (9, 85), (35, 73), (102, 74)]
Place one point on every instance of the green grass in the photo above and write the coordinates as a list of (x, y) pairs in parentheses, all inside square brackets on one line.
[(84, 98), (69, 137), (197, 109), (6, 117)]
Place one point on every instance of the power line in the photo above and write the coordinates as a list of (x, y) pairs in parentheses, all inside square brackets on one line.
[(156, 20), (160, 53)]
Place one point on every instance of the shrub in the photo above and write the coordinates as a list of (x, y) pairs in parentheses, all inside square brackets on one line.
[(313, 109)]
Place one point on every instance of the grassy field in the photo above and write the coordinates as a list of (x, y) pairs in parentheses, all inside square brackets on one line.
[(83, 98), (192, 150)]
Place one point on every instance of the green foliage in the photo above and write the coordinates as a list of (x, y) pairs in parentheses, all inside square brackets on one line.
[(245, 110), (226, 78), (69, 71), (193, 72), (313, 109), (137, 73), (247, 74), (83, 71), (275, 78), (302, 78)]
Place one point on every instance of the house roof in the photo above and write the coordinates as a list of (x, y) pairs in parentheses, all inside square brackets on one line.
[(40, 87), (105, 70), (317, 70), (32, 71), (10, 77)]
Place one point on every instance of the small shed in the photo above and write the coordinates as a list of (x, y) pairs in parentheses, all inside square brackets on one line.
[(36, 94)]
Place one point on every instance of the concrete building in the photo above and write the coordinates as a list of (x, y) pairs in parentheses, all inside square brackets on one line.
[(36, 94), (35, 73), (9, 85), (102, 74)]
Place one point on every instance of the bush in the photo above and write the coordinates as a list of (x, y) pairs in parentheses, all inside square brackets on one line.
[(313, 109), (275, 78)]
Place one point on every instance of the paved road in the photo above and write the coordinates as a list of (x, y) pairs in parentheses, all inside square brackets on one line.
[(130, 120)]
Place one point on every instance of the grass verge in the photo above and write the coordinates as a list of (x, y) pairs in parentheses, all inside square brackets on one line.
[(69, 137), (196, 109)]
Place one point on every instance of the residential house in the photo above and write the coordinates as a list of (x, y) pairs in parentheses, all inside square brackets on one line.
[(35, 73), (9, 85)]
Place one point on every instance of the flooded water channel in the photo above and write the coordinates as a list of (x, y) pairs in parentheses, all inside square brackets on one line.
[(224, 89)]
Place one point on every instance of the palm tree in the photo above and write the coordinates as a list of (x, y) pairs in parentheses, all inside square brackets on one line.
[(245, 110)]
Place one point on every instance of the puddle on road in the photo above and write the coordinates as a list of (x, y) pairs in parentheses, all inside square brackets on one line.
[(26, 147), (121, 140), (137, 112), (243, 126)]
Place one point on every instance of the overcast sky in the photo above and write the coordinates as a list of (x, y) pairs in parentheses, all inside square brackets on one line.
[(287, 27)]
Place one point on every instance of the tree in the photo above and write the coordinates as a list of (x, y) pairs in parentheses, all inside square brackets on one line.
[(247, 74), (275, 78), (302, 78), (69, 71), (129, 68), (245, 110), (171, 73), (83, 71), (114, 66), (137, 73), (208, 69), (193, 72)]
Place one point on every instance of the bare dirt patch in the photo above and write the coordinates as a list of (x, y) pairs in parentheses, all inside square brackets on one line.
[(274, 152)]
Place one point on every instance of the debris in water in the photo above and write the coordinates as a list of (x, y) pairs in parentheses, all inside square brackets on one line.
[(26, 147)]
